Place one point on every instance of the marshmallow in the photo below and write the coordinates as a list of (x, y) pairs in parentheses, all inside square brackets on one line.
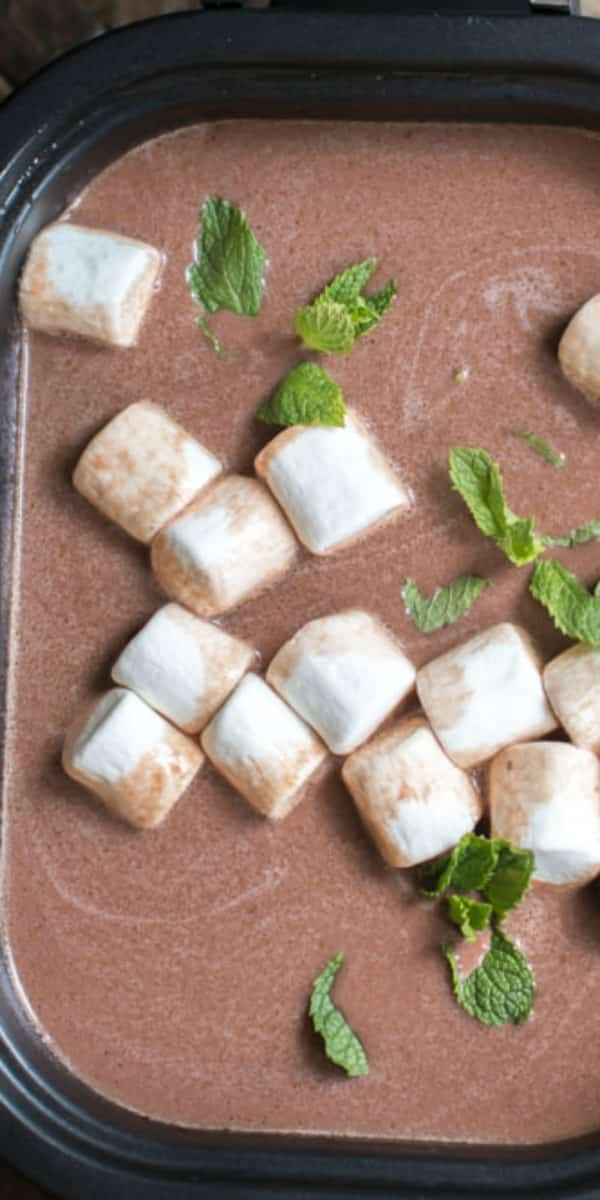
[(486, 694), (142, 469), (545, 797), (344, 674), (88, 282), (579, 350), (265, 751), (333, 484), (127, 754), (224, 548), (183, 666), (414, 802), (572, 682)]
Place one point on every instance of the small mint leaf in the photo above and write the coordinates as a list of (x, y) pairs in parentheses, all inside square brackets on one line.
[(477, 478), (341, 313), (342, 1046), (230, 263), (326, 326), (574, 610), (501, 990), (446, 604), (467, 867), (307, 396), (544, 449), (471, 916), (511, 878), (576, 537), (346, 287)]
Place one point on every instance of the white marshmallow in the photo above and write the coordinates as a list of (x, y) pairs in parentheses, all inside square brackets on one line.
[(344, 674), (224, 548), (265, 751), (579, 350), (127, 754), (572, 682), (333, 484), (88, 282), (142, 468), (183, 666), (545, 797), (486, 694), (414, 802)]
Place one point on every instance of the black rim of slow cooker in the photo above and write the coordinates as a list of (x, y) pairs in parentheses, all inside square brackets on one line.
[(55, 134)]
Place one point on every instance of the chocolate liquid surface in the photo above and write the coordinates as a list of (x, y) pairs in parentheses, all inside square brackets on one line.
[(171, 969)]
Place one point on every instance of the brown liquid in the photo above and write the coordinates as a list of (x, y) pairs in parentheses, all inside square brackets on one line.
[(171, 969)]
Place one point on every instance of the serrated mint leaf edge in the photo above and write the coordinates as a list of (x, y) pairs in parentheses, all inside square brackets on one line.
[(453, 600), (499, 942)]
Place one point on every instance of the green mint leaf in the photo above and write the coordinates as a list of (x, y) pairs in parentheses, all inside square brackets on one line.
[(477, 478), (511, 877), (574, 610), (544, 449), (446, 604), (467, 867), (326, 326), (307, 396), (341, 313), (230, 263), (577, 537), (471, 916), (342, 1046), (501, 990)]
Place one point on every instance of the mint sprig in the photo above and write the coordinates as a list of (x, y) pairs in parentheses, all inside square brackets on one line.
[(576, 537), (445, 605), (499, 871), (478, 479), (307, 396), (574, 610), (541, 447), (341, 313), (342, 1046), (230, 264), (471, 916), (501, 990)]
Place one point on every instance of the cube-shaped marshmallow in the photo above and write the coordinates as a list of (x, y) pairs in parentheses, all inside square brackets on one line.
[(183, 666), (545, 797), (263, 748), (133, 759), (344, 674), (414, 802), (142, 469), (486, 694), (572, 682), (224, 548), (333, 483), (579, 350), (88, 282)]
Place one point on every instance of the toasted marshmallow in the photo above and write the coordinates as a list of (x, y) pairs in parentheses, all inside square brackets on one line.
[(545, 797), (486, 694), (183, 666), (414, 802), (572, 682), (142, 468), (344, 674), (88, 282), (224, 548), (127, 754), (333, 484), (579, 350), (263, 748)]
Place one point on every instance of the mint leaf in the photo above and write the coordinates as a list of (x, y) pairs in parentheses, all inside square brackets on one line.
[(574, 610), (471, 916), (446, 604), (341, 313), (342, 1046), (307, 396), (467, 867), (544, 449), (577, 537), (511, 877), (326, 326), (501, 990), (230, 264), (477, 478)]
